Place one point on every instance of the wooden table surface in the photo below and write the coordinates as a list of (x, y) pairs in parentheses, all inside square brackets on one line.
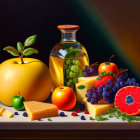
[(71, 134)]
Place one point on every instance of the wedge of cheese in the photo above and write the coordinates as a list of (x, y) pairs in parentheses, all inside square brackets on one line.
[(36, 110), (97, 109), (5, 113), (82, 87), (82, 79)]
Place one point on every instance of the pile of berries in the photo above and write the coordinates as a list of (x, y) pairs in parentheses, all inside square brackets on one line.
[(90, 71), (108, 90)]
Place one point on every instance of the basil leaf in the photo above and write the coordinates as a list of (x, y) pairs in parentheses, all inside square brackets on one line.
[(81, 87), (11, 50), (49, 119), (19, 46), (30, 40), (73, 52), (91, 118), (30, 51)]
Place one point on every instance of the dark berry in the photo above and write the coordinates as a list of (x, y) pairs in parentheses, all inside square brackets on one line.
[(62, 114), (16, 113), (91, 69), (93, 89), (88, 99), (122, 83), (88, 95), (134, 79), (85, 74), (84, 70), (137, 84), (82, 117), (114, 89), (95, 95), (100, 89), (92, 101), (82, 106), (104, 94), (96, 101), (86, 67), (25, 114)]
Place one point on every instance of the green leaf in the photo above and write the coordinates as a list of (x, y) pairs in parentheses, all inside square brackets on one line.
[(73, 52), (30, 40), (30, 51), (11, 50), (81, 87), (91, 118), (100, 118), (49, 119), (19, 46)]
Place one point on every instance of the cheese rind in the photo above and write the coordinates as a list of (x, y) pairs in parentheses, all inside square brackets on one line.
[(97, 109), (80, 93), (36, 110), (6, 113)]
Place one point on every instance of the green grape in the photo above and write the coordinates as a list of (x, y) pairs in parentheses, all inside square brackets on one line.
[(70, 81), (80, 75), (67, 76), (76, 68), (68, 84), (65, 66), (71, 48), (77, 62), (72, 67), (68, 62), (80, 71), (74, 74), (71, 74), (73, 61), (67, 71), (75, 80)]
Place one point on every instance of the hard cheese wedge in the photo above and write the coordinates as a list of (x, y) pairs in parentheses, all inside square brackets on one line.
[(82, 79), (5, 113), (81, 92), (97, 109), (36, 110)]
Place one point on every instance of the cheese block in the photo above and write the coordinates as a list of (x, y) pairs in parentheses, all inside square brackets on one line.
[(81, 92), (82, 79), (5, 113), (97, 109), (36, 110)]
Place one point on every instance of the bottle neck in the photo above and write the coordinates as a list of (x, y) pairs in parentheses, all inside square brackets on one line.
[(68, 35)]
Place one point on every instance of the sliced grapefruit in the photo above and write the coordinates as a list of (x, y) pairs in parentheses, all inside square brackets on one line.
[(128, 100)]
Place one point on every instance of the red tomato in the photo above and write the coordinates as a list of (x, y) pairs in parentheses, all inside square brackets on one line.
[(64, 98), (108, 67)]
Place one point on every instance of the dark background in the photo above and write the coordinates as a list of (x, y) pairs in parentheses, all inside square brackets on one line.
[(22, 18)]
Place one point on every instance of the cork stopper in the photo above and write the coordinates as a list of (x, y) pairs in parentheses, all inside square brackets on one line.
[(68, 27)]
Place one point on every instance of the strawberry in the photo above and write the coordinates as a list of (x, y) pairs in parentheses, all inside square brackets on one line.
[(103, 78)]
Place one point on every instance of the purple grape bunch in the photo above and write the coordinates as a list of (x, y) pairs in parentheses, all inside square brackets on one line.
[(108, 92), (90, 71)]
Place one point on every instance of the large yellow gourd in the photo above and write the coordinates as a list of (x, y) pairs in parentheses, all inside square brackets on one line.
[(32, 80)]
